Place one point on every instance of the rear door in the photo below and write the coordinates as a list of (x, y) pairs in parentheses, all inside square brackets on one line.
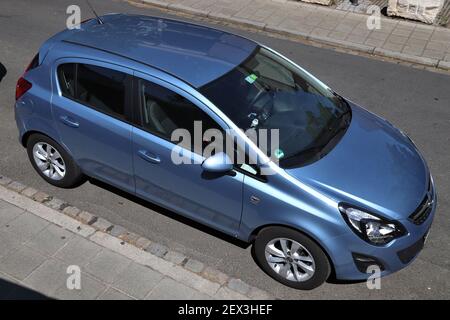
[(91, 108)]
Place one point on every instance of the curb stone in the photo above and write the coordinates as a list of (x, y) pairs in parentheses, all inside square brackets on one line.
[(439, 64), (157, 249), (102, 225), (175, 257), (215, 275), (17, 186), (172, 264), (46, 213), (194, 265), (142, 243), (285, 31), (117, 231), (71, 211), (410, 58), (130, 237), (444, 65), (157, 3), (41, 197), (29, 192), (87, 217), (56, 204), (246, 22), (181, 7), (344, 44)]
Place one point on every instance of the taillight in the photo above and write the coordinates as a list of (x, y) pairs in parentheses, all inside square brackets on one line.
[(22, 87)]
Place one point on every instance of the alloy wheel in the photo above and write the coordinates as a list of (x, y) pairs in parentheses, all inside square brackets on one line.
[(49, 161), (290, 259)]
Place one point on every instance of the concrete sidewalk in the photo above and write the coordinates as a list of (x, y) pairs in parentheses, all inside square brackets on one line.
[(404, 40), (44, 242)]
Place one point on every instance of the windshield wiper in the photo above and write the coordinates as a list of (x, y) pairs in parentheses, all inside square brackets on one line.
[(343, 101), (343, 114)]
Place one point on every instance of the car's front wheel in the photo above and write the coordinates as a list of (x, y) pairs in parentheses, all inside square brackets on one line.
[(52, 162), (291, 258)]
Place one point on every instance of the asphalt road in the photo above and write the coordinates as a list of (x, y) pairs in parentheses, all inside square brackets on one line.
[(415, 100)]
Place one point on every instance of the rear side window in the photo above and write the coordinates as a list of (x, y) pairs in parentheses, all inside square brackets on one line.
[(101, 88)]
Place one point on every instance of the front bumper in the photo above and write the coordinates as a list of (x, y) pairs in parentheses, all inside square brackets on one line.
[(394, 256)]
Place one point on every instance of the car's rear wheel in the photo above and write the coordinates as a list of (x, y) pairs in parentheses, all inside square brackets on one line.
[(291, 258), (52, 162)]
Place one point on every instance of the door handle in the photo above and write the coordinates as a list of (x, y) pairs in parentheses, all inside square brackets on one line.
[(69, 122), (147, 156)]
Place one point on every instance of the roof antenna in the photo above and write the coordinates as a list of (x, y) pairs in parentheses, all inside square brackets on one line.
[(99, 20)]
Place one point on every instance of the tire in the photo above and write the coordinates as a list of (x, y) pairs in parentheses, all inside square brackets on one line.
[(61, 171), (310, 261)]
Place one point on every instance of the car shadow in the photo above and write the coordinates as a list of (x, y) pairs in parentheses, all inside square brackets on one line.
[(170, 214), (3, 71), (332, 280), (13, 291)]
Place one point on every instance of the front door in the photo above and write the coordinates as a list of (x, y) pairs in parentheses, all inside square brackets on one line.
[(215, 200)]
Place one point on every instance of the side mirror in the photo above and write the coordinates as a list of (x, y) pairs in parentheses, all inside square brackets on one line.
[(218, 163)]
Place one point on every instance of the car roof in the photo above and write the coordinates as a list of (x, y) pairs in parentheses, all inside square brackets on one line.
[(196, 54)]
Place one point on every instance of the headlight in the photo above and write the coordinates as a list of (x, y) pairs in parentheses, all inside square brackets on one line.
[(373, 229)]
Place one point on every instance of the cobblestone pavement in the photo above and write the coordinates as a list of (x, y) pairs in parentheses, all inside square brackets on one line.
[(45, 244), (406, 40)]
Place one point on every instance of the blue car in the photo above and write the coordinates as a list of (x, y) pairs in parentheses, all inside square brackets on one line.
[(345, 193)]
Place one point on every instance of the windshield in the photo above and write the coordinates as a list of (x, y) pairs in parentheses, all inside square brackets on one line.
[(268, 92)]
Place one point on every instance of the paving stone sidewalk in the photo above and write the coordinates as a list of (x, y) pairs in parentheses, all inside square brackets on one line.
[(400, 39), (43, 242)]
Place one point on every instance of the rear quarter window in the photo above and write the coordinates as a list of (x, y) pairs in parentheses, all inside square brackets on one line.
[(66, 78)]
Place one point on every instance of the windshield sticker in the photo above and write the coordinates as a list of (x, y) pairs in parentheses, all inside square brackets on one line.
[(279, 153), (251, 78)]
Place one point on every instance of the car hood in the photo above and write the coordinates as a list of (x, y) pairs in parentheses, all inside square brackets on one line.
[(373, 166)]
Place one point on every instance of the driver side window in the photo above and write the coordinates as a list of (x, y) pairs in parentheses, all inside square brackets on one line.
[(163, 111)]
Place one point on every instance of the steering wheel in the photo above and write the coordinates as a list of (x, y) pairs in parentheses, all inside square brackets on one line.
[(256, 98), (263, 111)]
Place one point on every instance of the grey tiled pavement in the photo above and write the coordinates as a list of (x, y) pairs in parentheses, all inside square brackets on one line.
[(35, 254), (406, 40), (38, 244)]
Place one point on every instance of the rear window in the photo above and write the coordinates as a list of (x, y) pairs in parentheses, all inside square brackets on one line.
[(101, 88), (34, 63)]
